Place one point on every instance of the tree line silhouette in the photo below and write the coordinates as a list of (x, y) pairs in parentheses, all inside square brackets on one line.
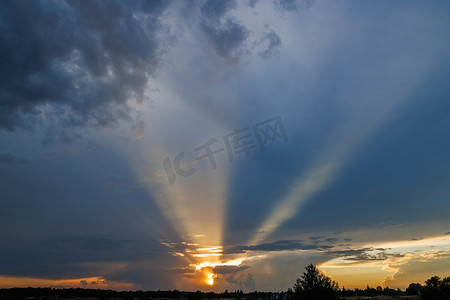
[(312, 285)]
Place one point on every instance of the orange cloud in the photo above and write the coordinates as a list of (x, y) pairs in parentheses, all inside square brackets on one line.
[(86, 282)]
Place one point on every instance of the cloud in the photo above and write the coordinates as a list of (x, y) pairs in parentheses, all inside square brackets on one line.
[(70, 65), (364, 254), (252, 3), (417, 265), (139, 130), (225, 34), (331, 240), (121, 184), (84, 283), (76, 64), (228, 269), (272, 42), (65, 256), (244, 282), (9, 158), (281, 245), (293, 5), (87, 242), (320, 243)]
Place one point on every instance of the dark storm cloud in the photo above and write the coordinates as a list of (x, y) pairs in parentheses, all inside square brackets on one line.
[(225, 34), (349, 252), (324, 239), (71, 64), (273, 42), (364, 254), (281, 245), (252, 3), (70, 223), (102, 247), (81, 62), (293, 5), (121, 184), (9, 158), (66, 255), (90, 242), (229, 269), (153, 273)]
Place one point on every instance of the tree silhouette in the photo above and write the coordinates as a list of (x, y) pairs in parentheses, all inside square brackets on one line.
[(432, 293), (445, 286), (434, 281), (413, 289), (436, 289), (313, 285)]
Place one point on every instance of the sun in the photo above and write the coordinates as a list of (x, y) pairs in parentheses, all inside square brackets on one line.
[(210, 278), (206, 268)]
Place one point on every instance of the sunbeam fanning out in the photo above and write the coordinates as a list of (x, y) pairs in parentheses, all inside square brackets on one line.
[(194, 205), (344, 143), (302, 190)]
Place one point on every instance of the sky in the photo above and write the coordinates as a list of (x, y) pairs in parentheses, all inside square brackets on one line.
[(211, 145)]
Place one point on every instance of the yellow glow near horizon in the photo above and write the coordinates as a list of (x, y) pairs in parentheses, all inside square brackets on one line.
[(91, 282), (354, 273), (432, 241)]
